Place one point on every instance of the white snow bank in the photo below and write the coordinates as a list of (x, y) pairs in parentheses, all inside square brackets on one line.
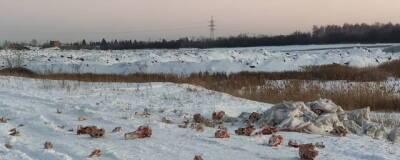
[(322, 116), (34, 103), (186, 61)]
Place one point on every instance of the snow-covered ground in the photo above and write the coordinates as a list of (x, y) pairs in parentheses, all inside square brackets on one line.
[(184, 61), (34, 103)]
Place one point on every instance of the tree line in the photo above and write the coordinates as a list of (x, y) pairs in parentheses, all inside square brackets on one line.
[(327, 34)]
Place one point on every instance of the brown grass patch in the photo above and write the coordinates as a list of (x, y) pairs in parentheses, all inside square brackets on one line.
[(256, 86)]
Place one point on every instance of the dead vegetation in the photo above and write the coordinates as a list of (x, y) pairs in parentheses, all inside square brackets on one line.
[(298, 85), (387, 119)]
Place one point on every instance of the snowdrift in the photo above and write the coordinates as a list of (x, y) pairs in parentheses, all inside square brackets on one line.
[(187, 61), (323, 117), (41, 119)]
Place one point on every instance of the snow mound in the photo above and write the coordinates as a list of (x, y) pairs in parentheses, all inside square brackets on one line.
[(316, 117), (46, 111), (392, 49), (323, 117), (187, 61)]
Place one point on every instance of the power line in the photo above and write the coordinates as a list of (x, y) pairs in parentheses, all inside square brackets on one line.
[(212, 27)]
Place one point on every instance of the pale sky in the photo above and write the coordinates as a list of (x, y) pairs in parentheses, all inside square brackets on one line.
[(72, 20)]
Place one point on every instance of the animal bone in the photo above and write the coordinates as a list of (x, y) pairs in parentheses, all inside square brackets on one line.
[(141, 132)]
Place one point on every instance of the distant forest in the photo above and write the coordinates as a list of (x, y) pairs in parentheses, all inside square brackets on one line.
[(329, 34)]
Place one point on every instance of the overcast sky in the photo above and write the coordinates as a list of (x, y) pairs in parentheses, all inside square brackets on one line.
[(70, 20)]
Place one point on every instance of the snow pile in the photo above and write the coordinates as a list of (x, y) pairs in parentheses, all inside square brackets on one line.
[(392, 49), (186, 61), (49, 112), (323, 117)]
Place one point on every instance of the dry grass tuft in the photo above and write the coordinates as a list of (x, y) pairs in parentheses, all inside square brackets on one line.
[(298, 85)]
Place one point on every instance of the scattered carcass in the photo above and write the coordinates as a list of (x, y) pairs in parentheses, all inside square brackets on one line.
[(14, 132), (95, 153), (197, 157), (307, 152), (3, 120), (199, 127), (217, 117), (247, 131), (48, 145), (143, 114), (339, 131), (222, 133), (93, 131), (82, 118), (141, 132), (185, 124), (267, 130), (166, 120), (117, 129), (275, 140), (8, 145), (198, 118), (293, 143), (254, 117)]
